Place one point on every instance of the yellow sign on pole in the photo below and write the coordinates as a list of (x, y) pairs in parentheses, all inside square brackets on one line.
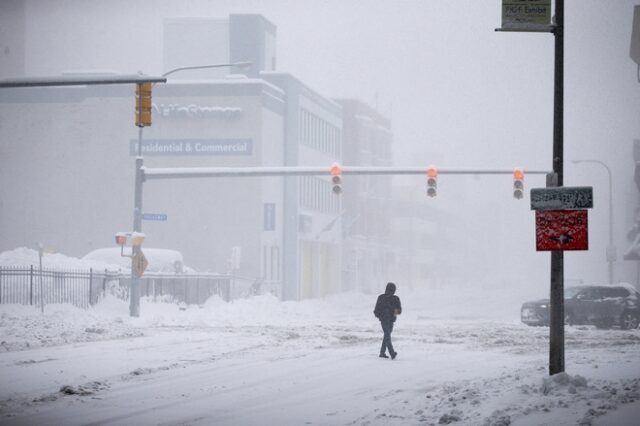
[(525, 14), (140, 263)]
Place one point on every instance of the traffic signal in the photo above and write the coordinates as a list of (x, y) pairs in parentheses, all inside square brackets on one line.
[(432, 181), (336, 178), (143, 104), (518, 183)]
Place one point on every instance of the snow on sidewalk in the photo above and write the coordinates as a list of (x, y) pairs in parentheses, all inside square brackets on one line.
[(463, 371)]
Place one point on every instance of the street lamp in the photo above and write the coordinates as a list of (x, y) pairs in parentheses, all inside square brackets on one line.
[(134, 305), (199, 67), (611, 249)]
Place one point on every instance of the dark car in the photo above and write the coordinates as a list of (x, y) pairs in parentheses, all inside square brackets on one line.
[(600, 305)]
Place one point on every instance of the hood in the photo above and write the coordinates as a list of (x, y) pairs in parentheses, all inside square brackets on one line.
[(391, 288)]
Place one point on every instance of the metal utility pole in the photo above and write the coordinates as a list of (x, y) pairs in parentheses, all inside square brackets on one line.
[(143, 119), (134, 297), (517, 17), (556, 320)]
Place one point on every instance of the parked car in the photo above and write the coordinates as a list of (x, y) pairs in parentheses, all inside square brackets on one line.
[(600, 305), (160, 260)]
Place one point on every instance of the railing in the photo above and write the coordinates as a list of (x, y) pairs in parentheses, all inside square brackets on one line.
[(187, 288), (28, 285)]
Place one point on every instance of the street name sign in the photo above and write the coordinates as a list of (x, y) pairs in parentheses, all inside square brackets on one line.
[(562, 198), (525, 14), (154, 216), (562, 230)]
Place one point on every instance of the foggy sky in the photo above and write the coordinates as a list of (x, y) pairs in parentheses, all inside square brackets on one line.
[(458, 93)]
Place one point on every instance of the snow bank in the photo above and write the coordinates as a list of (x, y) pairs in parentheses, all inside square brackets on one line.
[(25, 327), (25, 257)]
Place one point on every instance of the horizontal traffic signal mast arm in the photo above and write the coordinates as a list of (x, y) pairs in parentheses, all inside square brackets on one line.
[(202, 172), (79, 80)]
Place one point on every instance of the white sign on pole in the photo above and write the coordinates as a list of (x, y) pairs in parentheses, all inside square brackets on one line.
[(525, 14)]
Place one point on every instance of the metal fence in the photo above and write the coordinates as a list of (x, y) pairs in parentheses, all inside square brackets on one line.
[(188, 288), (29, 285)]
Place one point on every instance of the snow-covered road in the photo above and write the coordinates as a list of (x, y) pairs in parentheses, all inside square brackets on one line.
[(256, 384), (264, 362)]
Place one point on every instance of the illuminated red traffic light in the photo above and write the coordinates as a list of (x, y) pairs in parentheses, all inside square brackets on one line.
[(432, 181), (336, 178), (518, 183)]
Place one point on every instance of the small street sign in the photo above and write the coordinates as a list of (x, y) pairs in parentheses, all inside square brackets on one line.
[(140, 263), (525, 14), (154, 216), (562, 230), (562, 198)]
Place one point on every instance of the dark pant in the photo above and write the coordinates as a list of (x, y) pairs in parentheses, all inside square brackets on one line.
[(387, 328)]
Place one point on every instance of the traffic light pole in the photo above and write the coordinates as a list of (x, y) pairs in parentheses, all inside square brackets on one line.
[(209, 172), (134, 297), (143, 118), (556, 320)]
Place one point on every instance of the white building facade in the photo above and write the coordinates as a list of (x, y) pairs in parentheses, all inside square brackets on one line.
[(70, 153)]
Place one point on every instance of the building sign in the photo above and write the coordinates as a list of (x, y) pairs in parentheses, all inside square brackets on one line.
[(269, 217), (562, 230), (562, 198), (178, 147), (525, 14), (195, 111)]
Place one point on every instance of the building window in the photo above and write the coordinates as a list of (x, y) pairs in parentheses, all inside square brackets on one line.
[(316, 194), (318, 134)]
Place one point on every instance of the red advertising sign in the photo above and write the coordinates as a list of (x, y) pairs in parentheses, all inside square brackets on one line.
[(562, 230)]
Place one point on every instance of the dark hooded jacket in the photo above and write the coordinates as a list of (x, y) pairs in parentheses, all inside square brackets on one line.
[(388, 304)]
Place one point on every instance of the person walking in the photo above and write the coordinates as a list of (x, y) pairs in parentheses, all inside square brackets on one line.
[(387, 308)]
